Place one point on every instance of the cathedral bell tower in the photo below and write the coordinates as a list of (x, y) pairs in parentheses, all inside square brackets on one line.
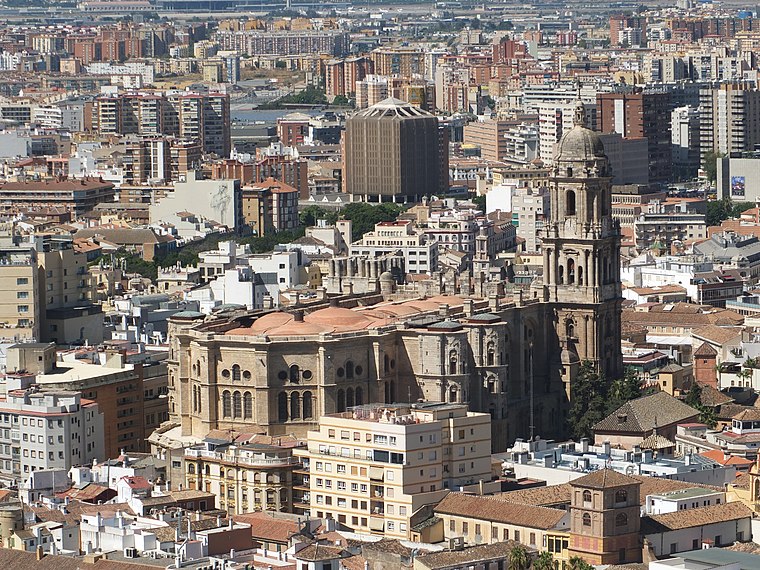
[(581, 247)]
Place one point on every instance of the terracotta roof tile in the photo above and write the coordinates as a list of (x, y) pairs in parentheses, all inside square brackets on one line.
[(604, 479), (691, 518), (467, 556), (492, 509), (642, 415)]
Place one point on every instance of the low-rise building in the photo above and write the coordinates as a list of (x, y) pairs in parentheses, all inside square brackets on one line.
[(717, 525), (246, 477)]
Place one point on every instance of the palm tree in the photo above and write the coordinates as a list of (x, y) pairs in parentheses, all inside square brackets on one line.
[(578, 563), (518, 558), (544, 562)]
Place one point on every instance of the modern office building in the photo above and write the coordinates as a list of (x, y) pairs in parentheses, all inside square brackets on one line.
[(394, 152), (640, 115), (373, 466)]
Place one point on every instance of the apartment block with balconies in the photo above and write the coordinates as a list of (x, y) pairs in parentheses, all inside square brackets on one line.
[(245, 477), (373, 466)]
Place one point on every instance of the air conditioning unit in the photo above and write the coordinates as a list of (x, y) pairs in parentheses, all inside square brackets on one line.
[(456, 543)]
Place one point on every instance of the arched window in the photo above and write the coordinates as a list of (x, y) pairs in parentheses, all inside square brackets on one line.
[(570, 203), (587, 496), (195, 399), (237, 405), (207, 470), (307, 405), (349, 369), (247, 405), (341, 404), (621, 519), (295, 373), (586, 519), (490, 353), (393, 391), (295, 405), (386, 360), (349, 397), (235, 373), (561, 279), (387, 392), (282, 407), (570, 329), (226, 404), (453, 362), (359, 397), (198, 366), (452, 394), (580, 275), (191, 468), (570, 271), (621, 496), (569, 172)]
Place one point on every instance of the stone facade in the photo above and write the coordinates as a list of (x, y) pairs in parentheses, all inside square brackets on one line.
[(507, 354)]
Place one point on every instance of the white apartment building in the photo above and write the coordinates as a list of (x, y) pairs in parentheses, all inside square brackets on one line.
[(373, 466), (47, 429), (453, 230), (554, 119), (419, 250), (683, 499), (530, 207), (254, 281)]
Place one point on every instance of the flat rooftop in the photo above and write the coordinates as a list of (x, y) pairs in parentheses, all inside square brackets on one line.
[(73, 371)]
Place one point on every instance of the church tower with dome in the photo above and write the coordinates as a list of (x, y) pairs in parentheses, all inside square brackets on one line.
[(581, 246)]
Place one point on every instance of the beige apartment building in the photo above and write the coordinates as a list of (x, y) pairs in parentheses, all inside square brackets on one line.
[(19, 305), (246, 477), (372, 467)]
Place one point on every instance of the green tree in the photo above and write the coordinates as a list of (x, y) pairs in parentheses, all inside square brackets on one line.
[(719, 210), (624, 390), (518, 558), (341, 101), (694, 395), (480, 202), (364, 216), (588, 397), (266, 243), (578, 563), (310, 214), (707, 414), (544, 561), (710, 164)]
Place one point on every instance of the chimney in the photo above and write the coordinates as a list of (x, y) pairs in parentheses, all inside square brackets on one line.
[(606, 447), (493, 303), (443, 310), (469, 307), (584, 445), (298, 316), (40, 553)]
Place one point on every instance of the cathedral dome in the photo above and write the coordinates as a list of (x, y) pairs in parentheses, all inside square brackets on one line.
[(579, 144)]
